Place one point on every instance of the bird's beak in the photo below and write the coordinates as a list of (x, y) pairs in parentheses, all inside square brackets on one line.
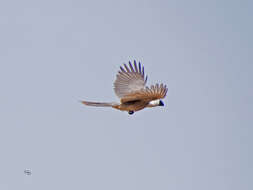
[(161, 103)]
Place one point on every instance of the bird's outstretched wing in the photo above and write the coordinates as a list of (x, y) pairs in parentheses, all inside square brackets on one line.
[(147, 94), (130, 79)]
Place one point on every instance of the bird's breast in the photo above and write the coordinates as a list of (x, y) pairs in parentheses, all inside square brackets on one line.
[(132, 105)]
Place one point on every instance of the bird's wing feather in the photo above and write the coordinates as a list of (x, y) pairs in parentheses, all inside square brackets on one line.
[(148, 94), (129, 79)]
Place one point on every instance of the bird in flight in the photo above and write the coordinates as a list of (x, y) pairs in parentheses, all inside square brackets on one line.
[(130, 87)]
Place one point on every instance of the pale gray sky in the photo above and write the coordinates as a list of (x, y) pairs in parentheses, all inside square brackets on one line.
[(55, 53)]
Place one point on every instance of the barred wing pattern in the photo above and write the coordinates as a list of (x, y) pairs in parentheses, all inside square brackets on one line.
[(129, 79), (147, 94)]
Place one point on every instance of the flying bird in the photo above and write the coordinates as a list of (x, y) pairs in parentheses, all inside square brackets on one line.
[(130, 87)]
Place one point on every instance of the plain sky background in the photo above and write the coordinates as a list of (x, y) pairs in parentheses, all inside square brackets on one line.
[(54, 53)]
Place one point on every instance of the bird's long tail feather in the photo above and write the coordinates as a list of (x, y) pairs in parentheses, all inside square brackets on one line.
[(99, 104)]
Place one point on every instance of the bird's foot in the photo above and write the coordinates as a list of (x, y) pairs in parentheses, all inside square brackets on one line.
[(130, 112)]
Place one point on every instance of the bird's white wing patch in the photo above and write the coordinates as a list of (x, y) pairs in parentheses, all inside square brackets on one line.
[(129, 79)]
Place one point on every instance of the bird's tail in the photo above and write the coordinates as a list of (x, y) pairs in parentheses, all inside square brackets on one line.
[(99, 104)]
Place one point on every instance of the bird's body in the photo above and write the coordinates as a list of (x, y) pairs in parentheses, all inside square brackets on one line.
[(135, 105), (130, 87)]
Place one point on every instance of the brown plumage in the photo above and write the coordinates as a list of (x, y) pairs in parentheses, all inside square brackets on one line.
[(130, 87)]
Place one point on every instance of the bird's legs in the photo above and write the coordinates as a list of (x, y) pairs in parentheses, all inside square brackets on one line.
[(130, 112)]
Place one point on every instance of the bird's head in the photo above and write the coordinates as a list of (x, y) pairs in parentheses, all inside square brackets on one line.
[(161, 103)]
